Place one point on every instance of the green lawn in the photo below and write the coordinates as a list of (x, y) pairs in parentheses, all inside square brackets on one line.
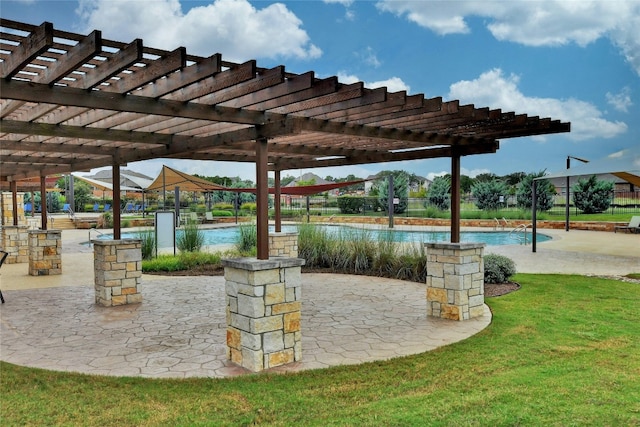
[(563, 350)]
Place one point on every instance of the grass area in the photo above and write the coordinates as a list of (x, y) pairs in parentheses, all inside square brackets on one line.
[(563, 350)]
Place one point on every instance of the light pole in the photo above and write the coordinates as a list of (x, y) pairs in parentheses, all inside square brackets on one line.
[(566, 203)]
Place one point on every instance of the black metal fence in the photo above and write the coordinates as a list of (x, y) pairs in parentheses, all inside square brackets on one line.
[(621, 202)]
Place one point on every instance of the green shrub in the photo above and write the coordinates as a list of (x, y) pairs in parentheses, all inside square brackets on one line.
[(249, 206), (592, 195), (222, 206), (488, 194), (221, 213), (498, 268), (438, 194), (350, 205)]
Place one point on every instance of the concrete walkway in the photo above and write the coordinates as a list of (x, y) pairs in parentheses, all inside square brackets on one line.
[(180, 329)]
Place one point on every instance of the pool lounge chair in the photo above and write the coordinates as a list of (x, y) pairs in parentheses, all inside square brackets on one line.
[(208, 217), (633, 227)]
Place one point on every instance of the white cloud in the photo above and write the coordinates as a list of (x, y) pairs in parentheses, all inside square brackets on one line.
[(369, 57), (342, 2), (393, 84), (234, 28), (495, 90), (533, 23), (620, 101)]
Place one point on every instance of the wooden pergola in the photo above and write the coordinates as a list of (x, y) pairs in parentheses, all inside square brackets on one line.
[(72, 102)]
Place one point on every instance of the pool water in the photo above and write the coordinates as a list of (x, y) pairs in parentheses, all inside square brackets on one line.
[(230, 235)]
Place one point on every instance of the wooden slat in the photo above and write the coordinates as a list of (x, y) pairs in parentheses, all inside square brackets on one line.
[(194, 73), (75, 57), (122, 59), (34, 44), (144, 75)]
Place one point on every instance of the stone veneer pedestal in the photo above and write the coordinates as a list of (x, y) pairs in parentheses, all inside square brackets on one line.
[(15, 241), (45, 252), (118, 271), (455, 280), (283, 244), (263, 311)]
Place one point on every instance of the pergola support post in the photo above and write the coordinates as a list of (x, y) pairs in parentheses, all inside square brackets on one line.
[(14, 202), (262, 199), (276, 203), (115, 173), (455, 197), (43, 202)]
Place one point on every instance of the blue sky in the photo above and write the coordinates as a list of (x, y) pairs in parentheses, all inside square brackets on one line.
[(577, 61)]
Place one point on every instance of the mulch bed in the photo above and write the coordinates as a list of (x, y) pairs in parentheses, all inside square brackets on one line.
[(490, 290)]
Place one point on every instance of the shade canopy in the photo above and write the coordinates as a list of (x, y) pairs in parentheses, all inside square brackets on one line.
[(624, 164), (169, 178), (103, 185)]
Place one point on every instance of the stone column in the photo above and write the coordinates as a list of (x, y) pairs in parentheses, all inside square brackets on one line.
[(6, 208), (118, 271), (263, 311), (283, 244), (45, 252), (455, 280), (15, 241)]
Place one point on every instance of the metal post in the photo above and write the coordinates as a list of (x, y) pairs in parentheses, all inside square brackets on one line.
[(566, 203), (390, 201), (176, 206), (534, 209)]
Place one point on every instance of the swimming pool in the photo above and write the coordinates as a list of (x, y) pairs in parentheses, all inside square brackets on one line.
[(230, 235)]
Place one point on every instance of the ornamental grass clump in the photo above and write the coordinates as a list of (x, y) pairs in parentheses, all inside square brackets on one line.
[(498, 268), (148, 243), (191, 239)]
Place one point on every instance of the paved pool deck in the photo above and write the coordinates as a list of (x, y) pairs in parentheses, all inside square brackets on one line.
[(179, 330)]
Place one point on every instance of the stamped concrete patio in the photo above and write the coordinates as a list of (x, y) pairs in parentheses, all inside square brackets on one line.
[(179, 330)]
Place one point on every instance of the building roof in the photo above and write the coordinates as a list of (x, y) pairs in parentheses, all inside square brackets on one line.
[(72, 102)]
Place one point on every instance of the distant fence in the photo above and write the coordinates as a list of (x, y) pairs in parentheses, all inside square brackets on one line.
[(621, 202)]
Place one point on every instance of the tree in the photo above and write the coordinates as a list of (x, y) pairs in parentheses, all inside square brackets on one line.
[(485, 177), (439, 193), (400, 192), (465, 184), (544, 190), (489, 194), (592, 195), (82, 194)]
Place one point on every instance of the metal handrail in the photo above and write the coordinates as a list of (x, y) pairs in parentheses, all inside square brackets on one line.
[(521, 228)]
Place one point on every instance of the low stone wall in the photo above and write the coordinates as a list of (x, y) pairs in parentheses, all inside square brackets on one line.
[(45, 252), (15, 241), (283, 244), (455, 280), (263, 311), (118, 271), (485, 223)]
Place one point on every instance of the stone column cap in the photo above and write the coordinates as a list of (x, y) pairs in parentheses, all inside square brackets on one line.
[(461, 245), (111, 242), (52, 230), (255, 264)]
